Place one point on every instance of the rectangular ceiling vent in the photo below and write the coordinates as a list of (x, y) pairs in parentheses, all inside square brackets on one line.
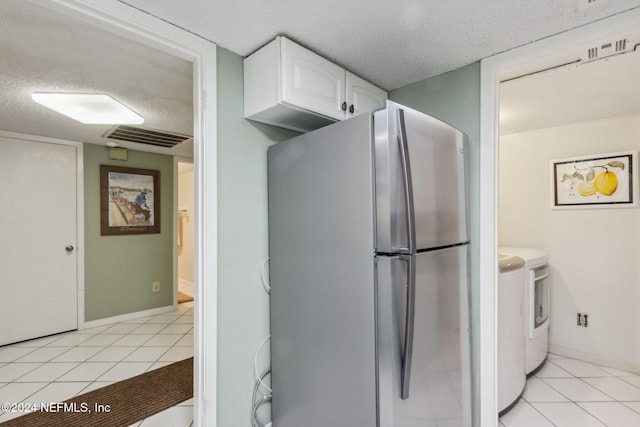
[(607, 49), (146, 136)]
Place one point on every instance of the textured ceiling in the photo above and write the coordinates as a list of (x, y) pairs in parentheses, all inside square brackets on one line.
[(43, 50), (390, 43), (572, 94)]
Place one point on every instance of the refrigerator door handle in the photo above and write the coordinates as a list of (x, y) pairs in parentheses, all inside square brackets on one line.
[(407, 353), (408, 184)]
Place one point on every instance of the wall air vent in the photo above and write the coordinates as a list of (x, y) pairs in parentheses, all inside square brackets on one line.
[(140, 135), (608, 49)]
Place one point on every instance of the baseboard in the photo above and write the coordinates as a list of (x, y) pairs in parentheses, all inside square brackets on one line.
[(595, 358), (128, 316)]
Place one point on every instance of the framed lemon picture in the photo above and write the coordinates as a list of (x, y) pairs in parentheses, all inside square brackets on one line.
[(606, 180)]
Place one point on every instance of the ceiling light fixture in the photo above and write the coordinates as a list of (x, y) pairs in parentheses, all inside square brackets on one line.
[(90, 109)]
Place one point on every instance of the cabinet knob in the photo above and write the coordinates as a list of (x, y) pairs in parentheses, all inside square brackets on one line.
[(351, 109), (344, 106)]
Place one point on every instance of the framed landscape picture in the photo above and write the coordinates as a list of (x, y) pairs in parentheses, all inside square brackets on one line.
[(129, 200), (606, 180)]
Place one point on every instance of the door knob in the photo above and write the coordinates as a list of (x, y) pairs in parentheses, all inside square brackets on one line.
[(69, 248)]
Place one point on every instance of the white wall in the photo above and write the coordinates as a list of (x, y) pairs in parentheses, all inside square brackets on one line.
[(594, 253)]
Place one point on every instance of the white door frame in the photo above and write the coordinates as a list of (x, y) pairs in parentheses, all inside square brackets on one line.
[(146, 29), (515, 62)]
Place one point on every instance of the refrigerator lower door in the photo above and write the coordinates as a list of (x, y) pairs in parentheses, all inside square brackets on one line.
[(424, 327)]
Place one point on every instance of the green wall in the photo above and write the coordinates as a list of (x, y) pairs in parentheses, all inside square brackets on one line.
[(243, 304), (454, 98), (119, 269)]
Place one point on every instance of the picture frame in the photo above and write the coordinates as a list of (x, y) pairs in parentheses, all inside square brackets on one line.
[(595, 181), (129, 200)]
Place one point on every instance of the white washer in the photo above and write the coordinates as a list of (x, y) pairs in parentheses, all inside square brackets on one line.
[(511, 371), (537, 305)]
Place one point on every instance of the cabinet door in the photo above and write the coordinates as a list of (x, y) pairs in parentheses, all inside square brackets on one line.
[(311, 82), (362, 96)]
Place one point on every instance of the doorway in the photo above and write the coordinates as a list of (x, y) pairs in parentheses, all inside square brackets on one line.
[(493, 70), (572, 112), (140, 27), (185, 231)]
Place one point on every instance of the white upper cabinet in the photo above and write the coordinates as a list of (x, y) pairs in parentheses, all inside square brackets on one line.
[(289, 86), (311, 82), (362, 96)]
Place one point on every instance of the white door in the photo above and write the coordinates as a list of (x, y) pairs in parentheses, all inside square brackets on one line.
[(38, 262)]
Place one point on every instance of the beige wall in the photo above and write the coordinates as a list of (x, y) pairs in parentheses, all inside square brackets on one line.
[(593, 253), (185, 226)]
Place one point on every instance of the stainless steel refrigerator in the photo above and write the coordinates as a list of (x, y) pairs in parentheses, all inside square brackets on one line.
[(369, 250)]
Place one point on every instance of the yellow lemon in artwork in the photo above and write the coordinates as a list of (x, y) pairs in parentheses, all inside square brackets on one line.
[(587, 188), (606, 183)]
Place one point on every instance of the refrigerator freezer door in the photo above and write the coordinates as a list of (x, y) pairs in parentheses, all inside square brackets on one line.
[(420, 181), (439, 384)]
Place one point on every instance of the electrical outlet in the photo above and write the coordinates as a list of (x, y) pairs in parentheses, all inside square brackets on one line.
[(155, 286), (582, 319)]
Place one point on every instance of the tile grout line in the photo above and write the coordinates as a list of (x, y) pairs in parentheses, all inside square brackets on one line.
[(578, 404)]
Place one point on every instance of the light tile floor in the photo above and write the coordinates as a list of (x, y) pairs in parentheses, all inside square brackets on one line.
[(571, 393), (58, 367)]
